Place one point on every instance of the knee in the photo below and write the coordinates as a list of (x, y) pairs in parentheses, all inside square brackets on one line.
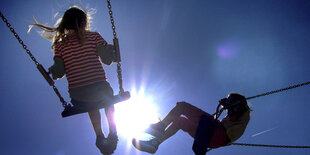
[(182, 105), (184, 108)]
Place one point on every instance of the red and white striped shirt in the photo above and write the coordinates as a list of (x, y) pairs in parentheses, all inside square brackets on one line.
[(82, 64)]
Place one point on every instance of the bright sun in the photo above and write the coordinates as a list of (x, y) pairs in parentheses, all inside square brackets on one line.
[(135, 115)]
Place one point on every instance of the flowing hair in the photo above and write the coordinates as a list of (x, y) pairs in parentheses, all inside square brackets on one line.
[(74, 19)]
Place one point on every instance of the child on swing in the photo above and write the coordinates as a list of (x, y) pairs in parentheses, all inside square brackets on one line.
[(207, 131), (76, 54)]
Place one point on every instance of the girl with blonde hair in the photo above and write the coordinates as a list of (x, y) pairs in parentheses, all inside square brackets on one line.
[(76, 55)]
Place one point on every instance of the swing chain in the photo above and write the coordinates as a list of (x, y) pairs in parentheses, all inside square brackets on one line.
[(280, 90), (63, 102), (18, 38), (39, 66), (112, 19), (115, 40), (119, 75), (278, 146)]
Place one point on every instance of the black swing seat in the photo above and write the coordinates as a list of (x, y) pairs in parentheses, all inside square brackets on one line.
[(203, 136), (73, 110)]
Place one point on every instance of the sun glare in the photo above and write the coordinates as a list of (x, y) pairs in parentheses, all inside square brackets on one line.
[(135, 115)]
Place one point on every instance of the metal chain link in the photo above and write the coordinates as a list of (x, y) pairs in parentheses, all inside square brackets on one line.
[(277, 91), (120, 79), (278, 146), (265, 145), (18, 38), (111, 18), (119, 69), (64, 103)]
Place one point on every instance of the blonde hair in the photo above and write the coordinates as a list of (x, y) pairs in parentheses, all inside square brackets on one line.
[(73, 19)]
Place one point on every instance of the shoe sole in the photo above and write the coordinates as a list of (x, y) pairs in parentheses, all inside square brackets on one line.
[(154, 133), (144, 148)]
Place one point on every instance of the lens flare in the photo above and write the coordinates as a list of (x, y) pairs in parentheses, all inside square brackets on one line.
[(135, 115), (228, 50)]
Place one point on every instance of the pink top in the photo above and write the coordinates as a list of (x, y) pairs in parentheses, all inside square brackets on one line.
[(82, 64)]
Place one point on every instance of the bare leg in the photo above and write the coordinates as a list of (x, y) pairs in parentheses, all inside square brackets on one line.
[(173, 115), (174, 128), (160, 131), (95, 118), (101, 141), (151, 145), (112, 137), (182, 108), (109, 111), (188, 124)]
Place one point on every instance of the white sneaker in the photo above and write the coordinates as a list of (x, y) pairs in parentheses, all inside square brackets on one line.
[(149, 146)]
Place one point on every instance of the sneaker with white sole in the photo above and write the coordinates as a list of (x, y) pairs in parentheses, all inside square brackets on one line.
[(157, 130), (108, 145), (101, 143), (149, 146)]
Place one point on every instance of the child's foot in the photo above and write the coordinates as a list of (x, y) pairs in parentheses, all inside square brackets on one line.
[(108, 145), (149, 146), (157, 130), (112, 141), (101, 143)]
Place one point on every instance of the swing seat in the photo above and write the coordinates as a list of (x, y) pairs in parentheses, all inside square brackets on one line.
[(203, 136), (73, 110)]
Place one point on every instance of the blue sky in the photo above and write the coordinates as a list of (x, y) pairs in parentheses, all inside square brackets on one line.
[(195, 51)]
